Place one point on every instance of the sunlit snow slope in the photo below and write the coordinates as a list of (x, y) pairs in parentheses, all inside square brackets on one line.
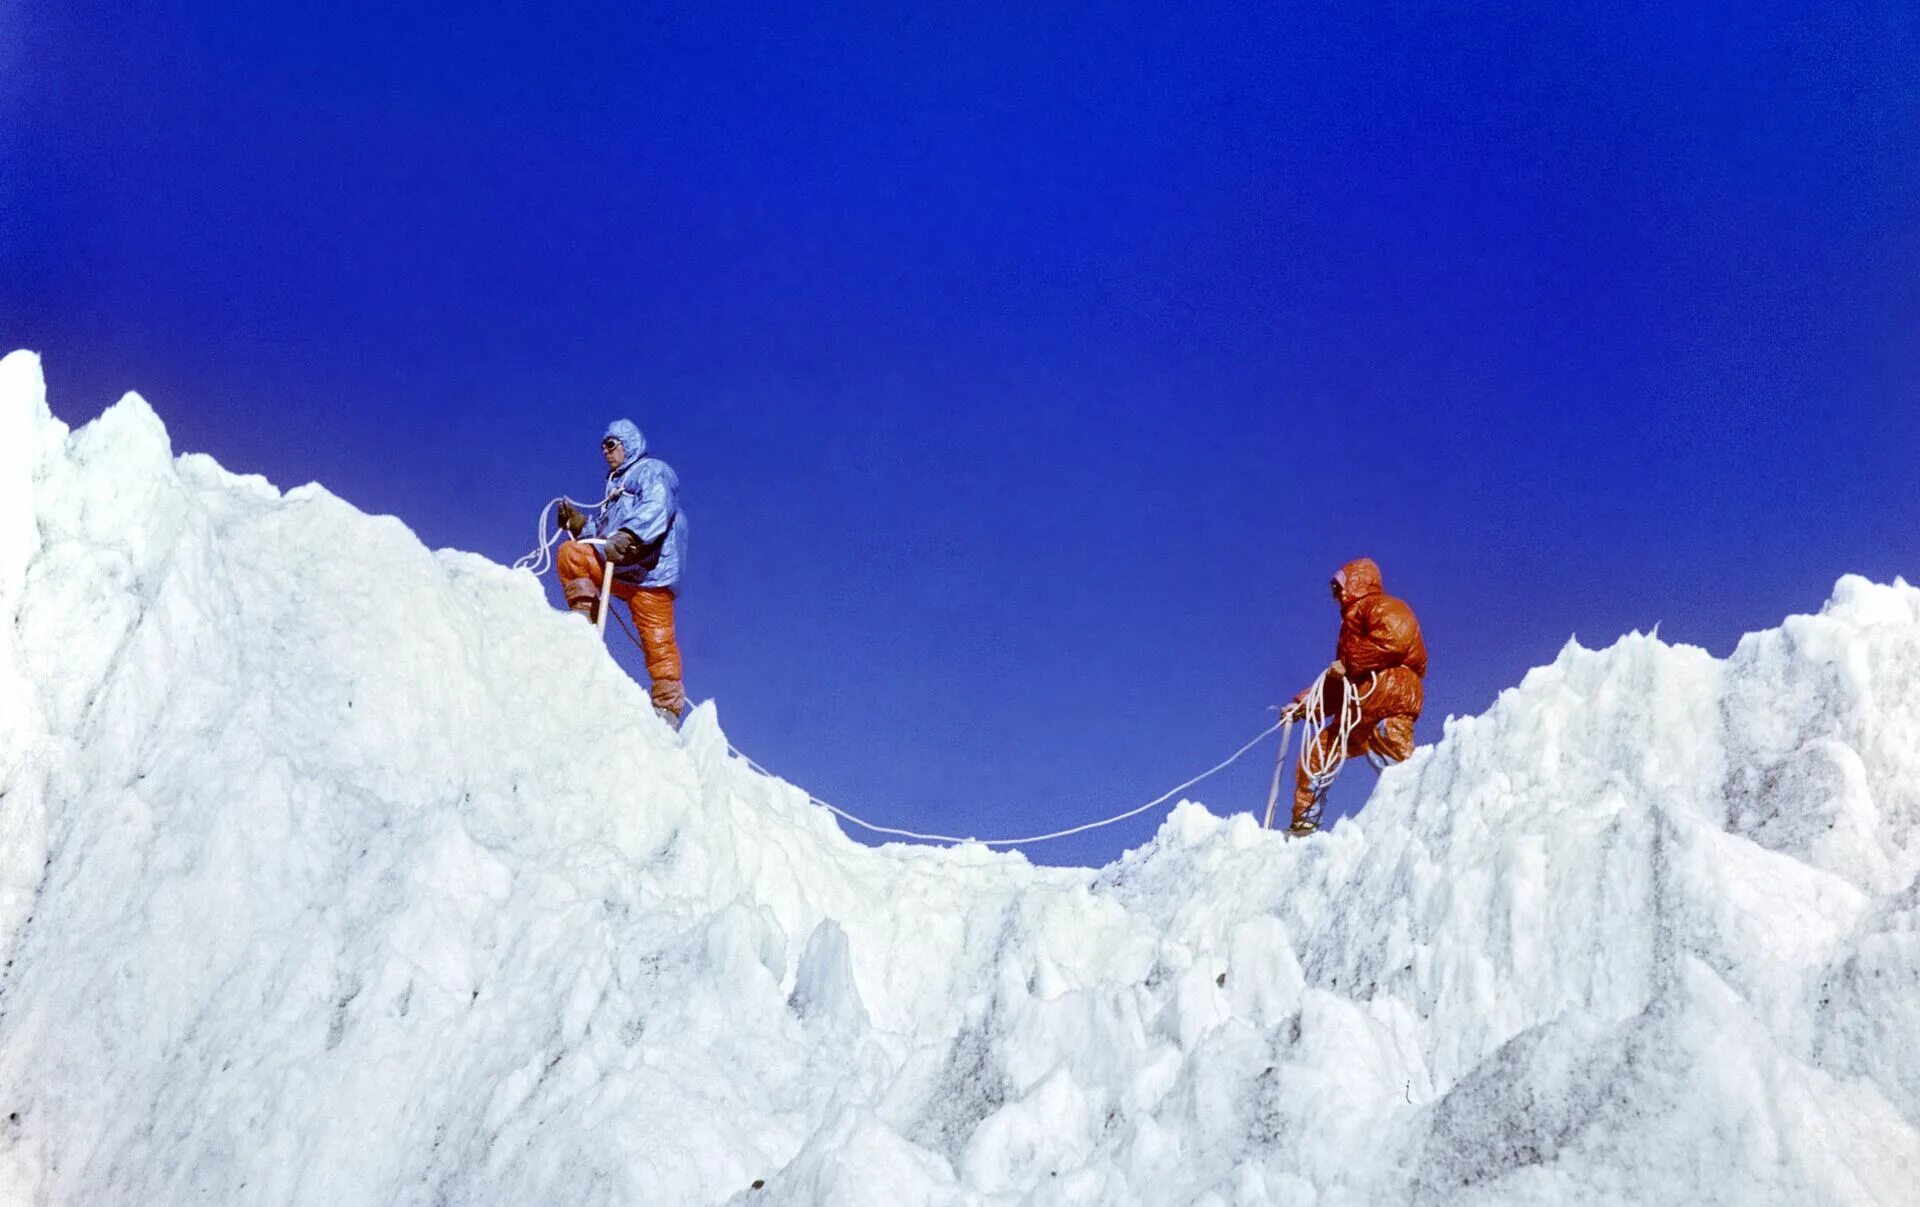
[(319, 885)]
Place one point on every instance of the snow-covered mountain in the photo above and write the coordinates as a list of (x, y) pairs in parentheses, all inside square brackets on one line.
[(310, 893)]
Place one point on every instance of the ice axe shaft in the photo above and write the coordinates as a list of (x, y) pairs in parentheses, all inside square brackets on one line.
[(606, 594), (1279, 767), (606, 585)]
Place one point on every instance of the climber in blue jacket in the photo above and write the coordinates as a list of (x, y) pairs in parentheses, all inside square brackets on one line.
[(646, 540)]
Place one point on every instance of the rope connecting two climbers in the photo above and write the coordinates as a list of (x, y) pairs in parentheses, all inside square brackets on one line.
[(1320, 761), (1321, 775), (1163, 798)]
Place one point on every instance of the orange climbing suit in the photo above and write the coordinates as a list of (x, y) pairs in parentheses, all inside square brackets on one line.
[(1385, 659), (581, 568)]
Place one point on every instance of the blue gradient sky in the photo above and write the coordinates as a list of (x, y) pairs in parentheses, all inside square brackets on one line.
[(1027, 373)]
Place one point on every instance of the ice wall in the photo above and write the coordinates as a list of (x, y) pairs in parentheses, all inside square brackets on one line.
[(312, 890)]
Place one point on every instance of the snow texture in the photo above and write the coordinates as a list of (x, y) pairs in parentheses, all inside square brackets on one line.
[(309, 893)]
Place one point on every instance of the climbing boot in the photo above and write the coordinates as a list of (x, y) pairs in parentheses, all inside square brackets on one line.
[(582, 607), (669, 698)]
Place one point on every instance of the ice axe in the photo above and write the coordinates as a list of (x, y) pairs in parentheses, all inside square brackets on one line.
[(606, 585), (1288, 716)]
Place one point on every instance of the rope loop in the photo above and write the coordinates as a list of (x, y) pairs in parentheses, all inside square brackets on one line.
[(1322, 761), (1163, 798), (540, 559)]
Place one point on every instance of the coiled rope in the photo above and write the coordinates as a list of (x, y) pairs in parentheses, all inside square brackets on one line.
[(540, 560), (1320, 761), (1323, 765)]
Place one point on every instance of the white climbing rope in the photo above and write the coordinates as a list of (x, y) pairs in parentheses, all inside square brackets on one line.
[(1321, 761), (1164, 797), (540, 560)]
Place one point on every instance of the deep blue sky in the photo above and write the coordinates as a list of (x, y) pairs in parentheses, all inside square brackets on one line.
[(1027, 373)]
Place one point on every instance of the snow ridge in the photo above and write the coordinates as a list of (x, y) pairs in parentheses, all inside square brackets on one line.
[(308, 895)]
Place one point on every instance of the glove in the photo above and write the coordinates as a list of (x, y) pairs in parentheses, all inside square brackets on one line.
[(623, 548), (572, 518)]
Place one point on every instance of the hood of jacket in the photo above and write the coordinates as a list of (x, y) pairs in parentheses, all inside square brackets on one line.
[(635, 444), (1358, 579)]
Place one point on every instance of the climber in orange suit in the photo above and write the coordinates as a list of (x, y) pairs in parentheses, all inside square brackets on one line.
[(1381, 654)]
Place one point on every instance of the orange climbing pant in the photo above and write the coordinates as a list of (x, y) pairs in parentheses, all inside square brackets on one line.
[(1389, 737), (581, 567)]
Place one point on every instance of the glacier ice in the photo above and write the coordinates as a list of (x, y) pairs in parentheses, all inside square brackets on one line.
[(305, 897)]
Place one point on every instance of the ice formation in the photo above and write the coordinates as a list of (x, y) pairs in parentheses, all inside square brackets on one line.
[(309, 893)]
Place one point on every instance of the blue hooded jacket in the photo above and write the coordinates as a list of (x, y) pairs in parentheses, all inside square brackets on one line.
[(643, 497)]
